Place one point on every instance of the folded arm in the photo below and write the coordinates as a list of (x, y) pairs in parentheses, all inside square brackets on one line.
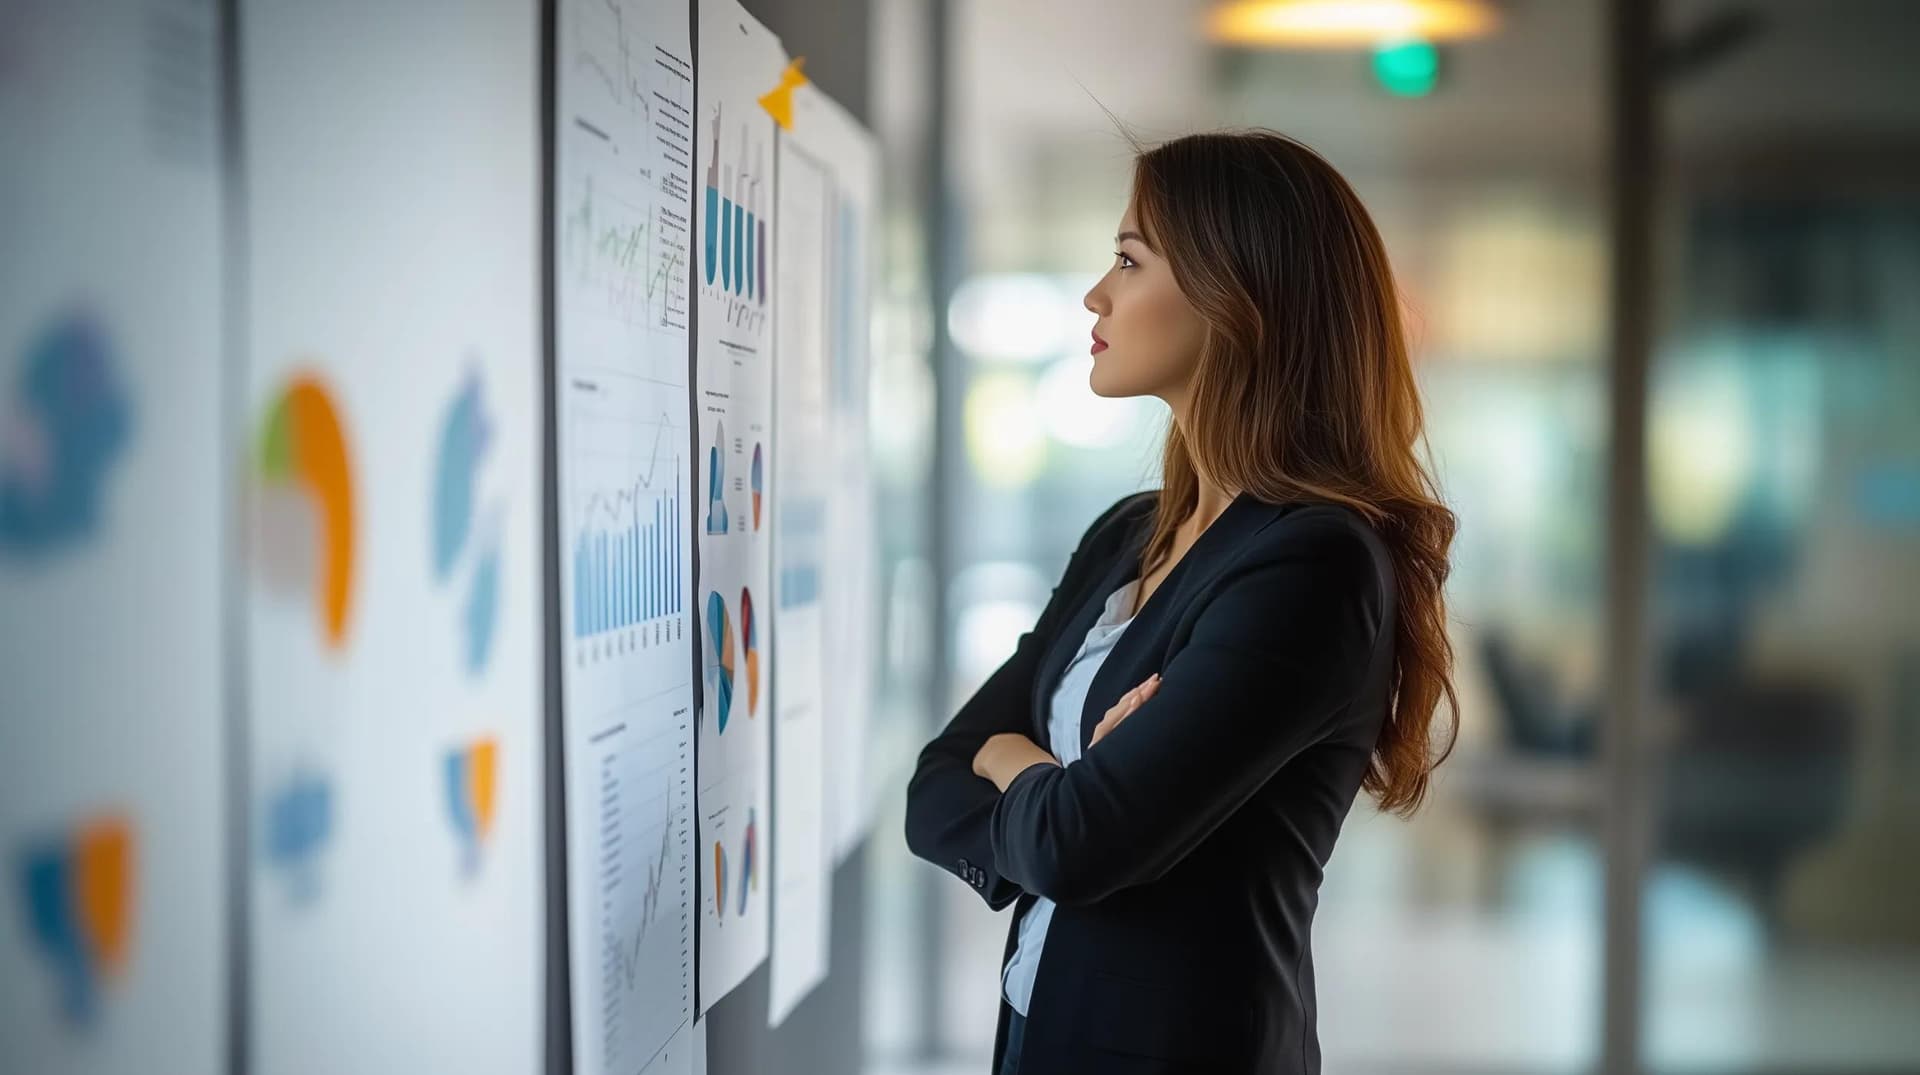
[(948, 806), (1275, 658)]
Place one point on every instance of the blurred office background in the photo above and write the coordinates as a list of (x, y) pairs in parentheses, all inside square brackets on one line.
[(1661, 259)]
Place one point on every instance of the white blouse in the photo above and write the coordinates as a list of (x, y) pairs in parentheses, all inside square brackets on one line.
[(1063, 725)]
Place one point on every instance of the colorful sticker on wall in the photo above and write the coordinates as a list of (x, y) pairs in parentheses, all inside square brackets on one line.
[(719, 660), (304, 509), (63, 427), (299, 824), (716, 481), (465, 435), (750, 644), (77, 889), (471, 773)]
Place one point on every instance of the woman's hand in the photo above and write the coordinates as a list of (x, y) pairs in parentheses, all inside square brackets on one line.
[(1123, 708), (1006, 755)]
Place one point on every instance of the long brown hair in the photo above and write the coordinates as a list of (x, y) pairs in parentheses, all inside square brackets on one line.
[(1304, 391)]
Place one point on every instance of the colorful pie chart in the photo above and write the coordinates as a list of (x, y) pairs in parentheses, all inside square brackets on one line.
[(719, 660), (79, 898), (305, 516), (750, 643)]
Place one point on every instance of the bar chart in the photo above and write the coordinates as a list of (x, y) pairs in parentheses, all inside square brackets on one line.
[(628, 559)]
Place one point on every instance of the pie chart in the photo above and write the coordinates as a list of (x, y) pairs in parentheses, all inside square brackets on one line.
[(719, 660), (750, 642), (304, 513)]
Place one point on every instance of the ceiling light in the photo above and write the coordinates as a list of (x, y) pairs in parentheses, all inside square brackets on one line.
[(1346, 23)]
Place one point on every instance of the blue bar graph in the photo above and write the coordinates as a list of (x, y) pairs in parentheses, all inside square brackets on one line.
[(626, 560)]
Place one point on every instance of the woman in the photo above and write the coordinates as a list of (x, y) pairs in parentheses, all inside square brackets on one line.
[(1156, 777)]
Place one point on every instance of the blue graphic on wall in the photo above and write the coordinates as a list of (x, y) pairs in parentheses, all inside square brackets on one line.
[(466, 433), (299, 824), (65, 425)]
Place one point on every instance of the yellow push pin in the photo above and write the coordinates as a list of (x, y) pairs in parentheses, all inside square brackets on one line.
[(779, 101)]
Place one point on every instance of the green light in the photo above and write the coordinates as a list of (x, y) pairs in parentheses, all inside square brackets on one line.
[(1407, 68)]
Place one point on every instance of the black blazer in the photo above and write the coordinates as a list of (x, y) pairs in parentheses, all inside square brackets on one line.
[(1185, 851)]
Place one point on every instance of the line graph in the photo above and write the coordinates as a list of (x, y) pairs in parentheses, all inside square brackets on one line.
[(610, 250), (624, 170), (643, 884), (625, 953), (639, 79), (623, 87)]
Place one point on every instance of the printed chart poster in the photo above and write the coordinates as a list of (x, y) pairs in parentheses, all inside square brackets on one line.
[(740, 62), (802, 860), (112, 540), (823, 131), (623, 181), (391, 520)]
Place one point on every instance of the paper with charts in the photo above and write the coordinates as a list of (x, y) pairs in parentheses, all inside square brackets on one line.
[(740, 61), (623, 185)]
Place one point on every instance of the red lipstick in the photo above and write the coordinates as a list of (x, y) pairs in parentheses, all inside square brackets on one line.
[(1099, 344)]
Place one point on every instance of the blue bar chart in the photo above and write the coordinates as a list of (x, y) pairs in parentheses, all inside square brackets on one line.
[(628, 559)]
